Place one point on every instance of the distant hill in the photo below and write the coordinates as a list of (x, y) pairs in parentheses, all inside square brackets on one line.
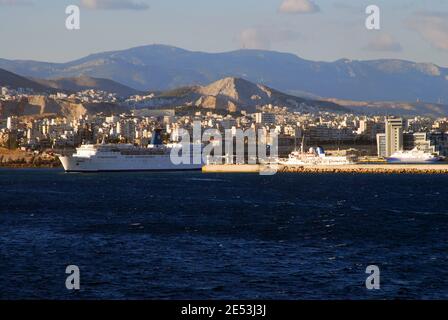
[(40, 105), (158, 67), (235, 94), (395, 108), (15, 81), (85, 82), (74, 84)]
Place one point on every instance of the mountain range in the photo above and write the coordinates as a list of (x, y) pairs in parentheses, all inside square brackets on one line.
[(160, 67)]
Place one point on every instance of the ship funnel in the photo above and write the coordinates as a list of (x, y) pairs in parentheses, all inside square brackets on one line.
[(320, 151)]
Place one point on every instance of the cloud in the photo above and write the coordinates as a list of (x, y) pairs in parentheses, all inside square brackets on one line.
[(298, 6), (263, 37), (384, 42), (114, 5), (433, 27), (252, 38), (16, 2)]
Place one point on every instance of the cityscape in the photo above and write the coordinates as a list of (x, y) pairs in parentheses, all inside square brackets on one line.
[(364, 135)]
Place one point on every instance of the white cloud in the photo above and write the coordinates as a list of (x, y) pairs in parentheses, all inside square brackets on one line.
[(252, 38), (15, 2), (384, 42), (263, 37), (114, 5), (299, 6), (433, 27)]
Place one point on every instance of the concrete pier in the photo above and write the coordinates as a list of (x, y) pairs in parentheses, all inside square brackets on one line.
[(231, 168), (355, 169)]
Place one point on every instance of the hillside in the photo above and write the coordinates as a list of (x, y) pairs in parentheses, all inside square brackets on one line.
[(15, 81), (158, 67), (85, 82), (41, 105), (73, 84)]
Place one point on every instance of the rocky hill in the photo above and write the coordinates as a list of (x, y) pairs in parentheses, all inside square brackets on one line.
[(235, 94)]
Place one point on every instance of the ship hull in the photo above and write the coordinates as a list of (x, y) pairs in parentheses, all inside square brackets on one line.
[(411, 161), (124, 164)]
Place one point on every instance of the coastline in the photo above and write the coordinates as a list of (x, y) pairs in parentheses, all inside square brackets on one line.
[(247, 169), (29, 166), (19, 159)]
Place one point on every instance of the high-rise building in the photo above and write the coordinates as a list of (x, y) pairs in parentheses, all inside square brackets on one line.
[(381, 144), (394, 135), (12, 123), (369, 128), (419, 140), (265, 118)]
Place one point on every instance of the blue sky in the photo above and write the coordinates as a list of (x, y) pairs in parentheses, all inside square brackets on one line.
[(313, 29)]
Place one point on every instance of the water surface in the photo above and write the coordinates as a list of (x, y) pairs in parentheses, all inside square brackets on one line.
[(189, 235)]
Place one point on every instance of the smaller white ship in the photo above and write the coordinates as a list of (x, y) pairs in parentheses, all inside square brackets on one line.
[(315, 157), (414, 156)]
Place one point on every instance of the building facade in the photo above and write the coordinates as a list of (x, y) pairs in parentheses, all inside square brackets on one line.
[(394, 135)]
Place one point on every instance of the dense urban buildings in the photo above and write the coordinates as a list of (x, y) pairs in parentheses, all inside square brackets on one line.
[(370, 135)]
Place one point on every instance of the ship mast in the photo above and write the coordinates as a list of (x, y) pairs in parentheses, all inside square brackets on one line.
[(302, 147)]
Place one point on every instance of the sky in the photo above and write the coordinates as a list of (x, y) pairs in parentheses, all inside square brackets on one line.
[(324, 30)]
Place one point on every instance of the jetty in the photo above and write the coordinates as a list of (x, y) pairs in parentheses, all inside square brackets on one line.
[(353, 169)]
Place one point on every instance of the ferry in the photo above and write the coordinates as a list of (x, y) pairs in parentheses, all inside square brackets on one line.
[(126, 157)]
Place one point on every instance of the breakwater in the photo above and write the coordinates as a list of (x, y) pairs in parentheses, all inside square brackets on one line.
[(355, 169)]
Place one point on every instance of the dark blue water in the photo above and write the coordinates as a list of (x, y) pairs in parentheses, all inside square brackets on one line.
[(196, 236)]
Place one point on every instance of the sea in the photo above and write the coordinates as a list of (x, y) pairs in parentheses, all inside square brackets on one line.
[(189, 235)]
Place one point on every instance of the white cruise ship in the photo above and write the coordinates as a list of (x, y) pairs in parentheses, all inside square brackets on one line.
[(414, 156), (126, 157)]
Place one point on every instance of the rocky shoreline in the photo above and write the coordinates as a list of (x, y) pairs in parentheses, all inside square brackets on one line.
[(17, 159), (30, 165)]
